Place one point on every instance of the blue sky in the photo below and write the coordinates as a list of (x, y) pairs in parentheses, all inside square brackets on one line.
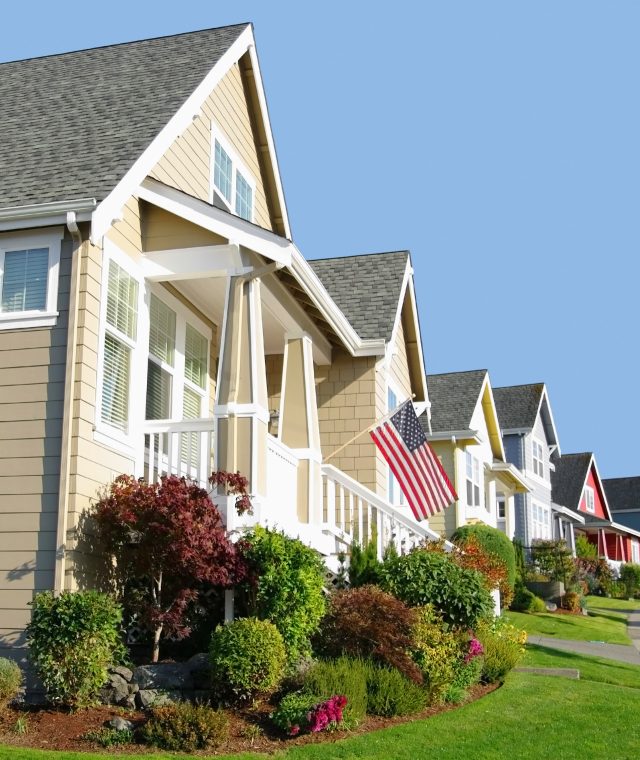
[(498, 141)]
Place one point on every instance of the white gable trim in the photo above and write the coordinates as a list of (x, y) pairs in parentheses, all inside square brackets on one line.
[(111, 207), (544, 396)]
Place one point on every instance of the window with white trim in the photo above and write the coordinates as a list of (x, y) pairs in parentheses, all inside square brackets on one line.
[(635, 551), (474, 489), (232, 182), (29, 264), (541, 526), (538, 458), (501, 506), (589, 499), (396, 495)]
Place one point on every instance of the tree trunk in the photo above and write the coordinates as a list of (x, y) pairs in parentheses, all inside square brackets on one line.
[(155, 654), (156, 593)]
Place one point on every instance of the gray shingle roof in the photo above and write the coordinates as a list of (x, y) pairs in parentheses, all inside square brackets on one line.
[(517, 405), (73, 124), (622, 493), (366, 289), (568, 479), (453, 397)]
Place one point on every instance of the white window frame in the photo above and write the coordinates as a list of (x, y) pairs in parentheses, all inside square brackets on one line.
[(540, 520), (237, 165), (476, 472), (589, 499), (50, 238), (127, 442), (635, 551), (501, 501), (538, 463)]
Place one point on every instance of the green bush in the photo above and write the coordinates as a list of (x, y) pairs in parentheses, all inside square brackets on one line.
[(185, 727), (389, 693), (465, 675), (630, 576), (292, 711), (526, 601), (585, 549), (73, 640), (435, 651), (10, 681), (286, 587), (492, 540), (247, 657), (503, 648), (364, 565), (426, 577), (109, 737), (344, 675)]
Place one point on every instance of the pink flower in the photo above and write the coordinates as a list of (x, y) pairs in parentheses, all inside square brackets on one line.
[(294, 730), (475, 650)]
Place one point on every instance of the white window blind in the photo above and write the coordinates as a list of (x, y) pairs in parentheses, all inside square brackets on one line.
[(244, 198), (222, 171), (24, 280), (162, 331), (115, 383), (122, 301), (195, 357)]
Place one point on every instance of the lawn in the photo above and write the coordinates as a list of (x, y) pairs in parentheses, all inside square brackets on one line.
[(605, 603), (591, 668), (610, 627), (521, 719)]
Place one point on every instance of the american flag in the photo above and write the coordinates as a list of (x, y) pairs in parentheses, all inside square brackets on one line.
[(418, 471)]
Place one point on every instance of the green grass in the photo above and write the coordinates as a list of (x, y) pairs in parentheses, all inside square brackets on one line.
[(519, 720), (604, 603), (598, 626), (591, 668)]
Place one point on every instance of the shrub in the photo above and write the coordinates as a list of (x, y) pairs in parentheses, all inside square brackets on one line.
[(109, 737), (503, 646), (466, 673), (571, 601), (185, 727), (526, 601), (73, 639), (585, 549), (494, 541), (344, 675), (247, 657), (472, 555), (553, 560), (364, 565), (630, 576), (390, 693), (285, 586), (435, 650), (301, 713), (426, 577), (367, 622), (596, 573), (10, 681)]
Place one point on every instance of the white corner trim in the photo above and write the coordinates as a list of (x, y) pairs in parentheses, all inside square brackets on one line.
[(110, 207)]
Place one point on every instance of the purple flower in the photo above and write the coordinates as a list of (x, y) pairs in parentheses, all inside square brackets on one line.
[(475, 650)]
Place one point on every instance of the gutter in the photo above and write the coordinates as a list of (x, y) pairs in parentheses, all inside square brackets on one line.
[(67, 416), (461, 436), (44, 214)]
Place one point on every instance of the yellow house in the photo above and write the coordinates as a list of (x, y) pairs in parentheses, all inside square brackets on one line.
[(157, 317), (465, 434)]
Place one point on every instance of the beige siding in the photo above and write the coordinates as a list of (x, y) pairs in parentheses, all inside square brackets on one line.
[(186, 165), (32, 370), (346, 392), (274, 365), (444, 522)]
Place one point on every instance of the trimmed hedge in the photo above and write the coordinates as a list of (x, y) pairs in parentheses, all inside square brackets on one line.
[(494, 541)]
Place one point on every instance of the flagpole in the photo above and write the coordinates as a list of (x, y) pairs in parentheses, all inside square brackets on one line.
[(366, 430)]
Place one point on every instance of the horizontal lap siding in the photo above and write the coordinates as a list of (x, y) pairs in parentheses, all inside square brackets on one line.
[(32, 371)]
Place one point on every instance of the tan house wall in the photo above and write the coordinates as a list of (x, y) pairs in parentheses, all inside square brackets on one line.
[(186, 165), (444, 522), (32, 372)]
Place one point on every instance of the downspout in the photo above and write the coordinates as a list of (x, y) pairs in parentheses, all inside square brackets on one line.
[(525, 512), (67, 417)]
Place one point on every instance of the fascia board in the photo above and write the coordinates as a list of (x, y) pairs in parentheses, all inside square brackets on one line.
[(544, 397), (45, 214), (110, 208), (570, 513)]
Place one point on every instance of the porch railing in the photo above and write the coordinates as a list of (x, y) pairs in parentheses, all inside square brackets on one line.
[(181, 448), (355, 513), (282, 482)]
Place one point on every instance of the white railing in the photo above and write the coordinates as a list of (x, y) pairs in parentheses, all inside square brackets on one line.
[(182, 448), (282, 482), (355, 513)]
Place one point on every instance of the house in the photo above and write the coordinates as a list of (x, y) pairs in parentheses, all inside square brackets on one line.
[(576, 485), (156, 316), (530, 440), (465, 434), (623, 497)]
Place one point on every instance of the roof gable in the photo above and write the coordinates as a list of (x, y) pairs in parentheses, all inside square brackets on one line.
[(519, 406), (454, 396), (569, 478), (83, 118)]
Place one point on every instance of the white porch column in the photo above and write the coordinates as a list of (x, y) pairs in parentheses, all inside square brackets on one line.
[(299, 428), (510, 514), (241, 408)]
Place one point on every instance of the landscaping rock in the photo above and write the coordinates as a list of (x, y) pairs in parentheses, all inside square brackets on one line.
[(165, 676), (120, 724), (133, 688), (200, 668), (551, 607), (123, 672), (129, 702), (145, 698)]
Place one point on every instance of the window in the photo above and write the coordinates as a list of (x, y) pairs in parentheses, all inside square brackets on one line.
[(589, 501), (473, 481), (396, 496), (541, 527), (120, 338), (29, 266), (501, 504), (538, 461), (231, 181), (635, 551)]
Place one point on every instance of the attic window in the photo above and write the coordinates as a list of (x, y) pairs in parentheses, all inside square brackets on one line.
[(233, 186), (589, 500), (538, 461)]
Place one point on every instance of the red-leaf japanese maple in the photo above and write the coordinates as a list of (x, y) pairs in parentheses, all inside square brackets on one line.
[(167, 539)]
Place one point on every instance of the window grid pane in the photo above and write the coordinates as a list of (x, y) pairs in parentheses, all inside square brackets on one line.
[(162, 331), (195, 357), (222, 171), (115, 384), (122, 301), (158, 393), (24, 281), (190, 442), (244, 197)]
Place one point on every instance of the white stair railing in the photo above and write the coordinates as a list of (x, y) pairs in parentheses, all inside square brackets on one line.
[(355, 513), (183, 448)]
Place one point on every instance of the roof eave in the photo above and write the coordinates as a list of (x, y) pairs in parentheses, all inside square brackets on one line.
[(44, 214)]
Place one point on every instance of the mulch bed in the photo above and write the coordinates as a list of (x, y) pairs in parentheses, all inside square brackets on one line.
[(249, 729)]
